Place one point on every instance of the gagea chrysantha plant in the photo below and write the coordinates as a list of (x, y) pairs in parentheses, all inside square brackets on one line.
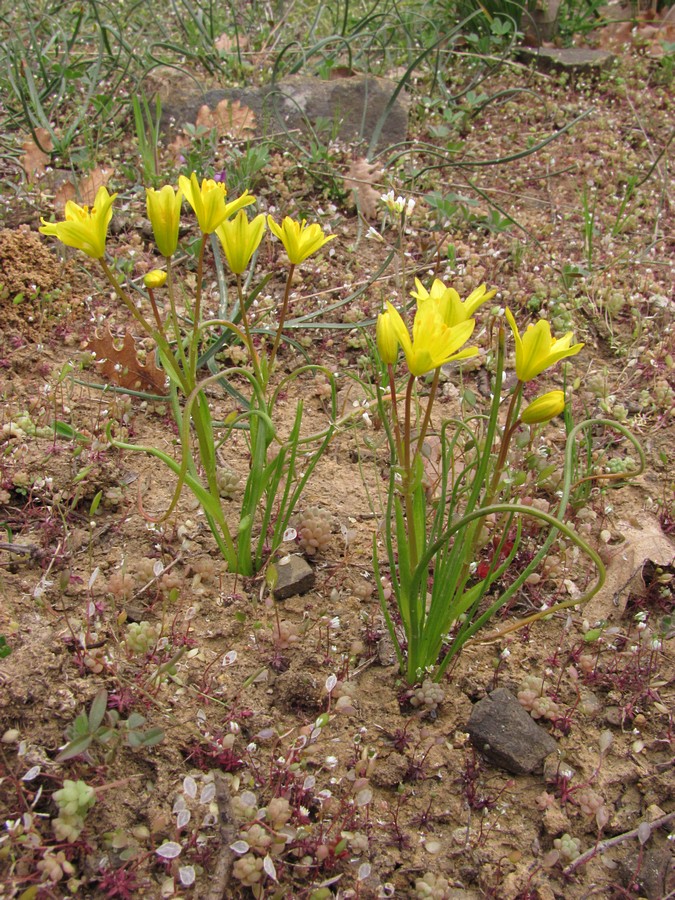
[(280, 464), (451, 537)]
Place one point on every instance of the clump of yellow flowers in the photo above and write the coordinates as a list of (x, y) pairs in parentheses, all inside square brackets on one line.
[(273, 466), (434, 534)]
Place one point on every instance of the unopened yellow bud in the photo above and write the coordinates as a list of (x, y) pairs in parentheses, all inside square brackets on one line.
[(154, 279), (387, 342), (544, 408)]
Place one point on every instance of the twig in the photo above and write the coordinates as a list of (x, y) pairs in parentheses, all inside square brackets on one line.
[(612, 842), (223, 868), (28, 549)]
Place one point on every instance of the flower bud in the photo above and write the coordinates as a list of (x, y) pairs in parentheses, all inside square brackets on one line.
[(544, 408), (154, 279), (387, 342)]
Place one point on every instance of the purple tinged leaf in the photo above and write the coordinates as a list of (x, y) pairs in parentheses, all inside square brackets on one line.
[(169, 850)]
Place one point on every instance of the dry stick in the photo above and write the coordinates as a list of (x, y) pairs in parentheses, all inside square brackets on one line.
[(612, 842), (223, 868)]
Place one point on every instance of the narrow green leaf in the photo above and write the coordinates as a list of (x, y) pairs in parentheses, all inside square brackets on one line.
[(97, 711), (75, 748)]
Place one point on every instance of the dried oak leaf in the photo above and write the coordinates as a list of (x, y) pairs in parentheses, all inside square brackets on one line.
[(642, 543), (84, 191), (360, 178), (35, 159), (230, 119), (224, 44), (121, 366), (180, 143)]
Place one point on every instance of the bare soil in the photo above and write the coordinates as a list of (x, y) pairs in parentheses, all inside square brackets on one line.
[(383, 794)]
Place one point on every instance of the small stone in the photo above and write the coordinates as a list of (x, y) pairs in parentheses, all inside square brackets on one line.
[(555, 768), (296, 577), (503, 731), (555, 821), (613, 715), (386, 654)]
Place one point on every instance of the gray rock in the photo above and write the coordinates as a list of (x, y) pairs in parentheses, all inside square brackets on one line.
[(296, 577), (507, 735), (575, 60), (656, 873), (354, 108)]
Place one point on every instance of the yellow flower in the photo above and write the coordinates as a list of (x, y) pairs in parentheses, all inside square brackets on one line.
[(240, 239), (537, 350), (299, 239), (387, 342), (164, 213), (452, 308), (433, 342), (154, 279), (208, 201), (84, 228), (546, 407)]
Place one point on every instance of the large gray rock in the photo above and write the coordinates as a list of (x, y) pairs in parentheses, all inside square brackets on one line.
[(507, 735), (575, 60), (354, 107)]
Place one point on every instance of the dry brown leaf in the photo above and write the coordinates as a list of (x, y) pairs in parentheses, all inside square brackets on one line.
[(338, 72), (121, 366), (88, 187), (83, 192), (651, 31), (360, 179), (230, 119), (225, 43), (35, 160), (643, 543), (177, 146)]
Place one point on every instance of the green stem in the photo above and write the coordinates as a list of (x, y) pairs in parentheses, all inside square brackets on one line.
[(158, 336), (394, 412), (155, 311), (427, 414), (408, 488), (126, 299), (174, 315), (196, 315), (249, 340), (282, 317), (507, 434)]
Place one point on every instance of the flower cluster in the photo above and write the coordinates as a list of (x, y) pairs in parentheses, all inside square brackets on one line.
[(87, 229)]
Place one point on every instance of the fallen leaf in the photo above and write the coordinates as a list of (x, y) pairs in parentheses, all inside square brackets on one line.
[(224, 44), (35, 159), (121, 366), (643, 543), (177, 146), (360, 179), (88, 187), (230, 119), (83, 192), (338, 72)]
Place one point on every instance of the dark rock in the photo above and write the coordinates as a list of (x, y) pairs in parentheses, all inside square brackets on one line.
[(507, 735), (655, 872), (295, 577), (354, 108), (576, 60)]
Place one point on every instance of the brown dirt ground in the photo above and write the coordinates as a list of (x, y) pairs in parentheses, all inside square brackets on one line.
[(434, 804)]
